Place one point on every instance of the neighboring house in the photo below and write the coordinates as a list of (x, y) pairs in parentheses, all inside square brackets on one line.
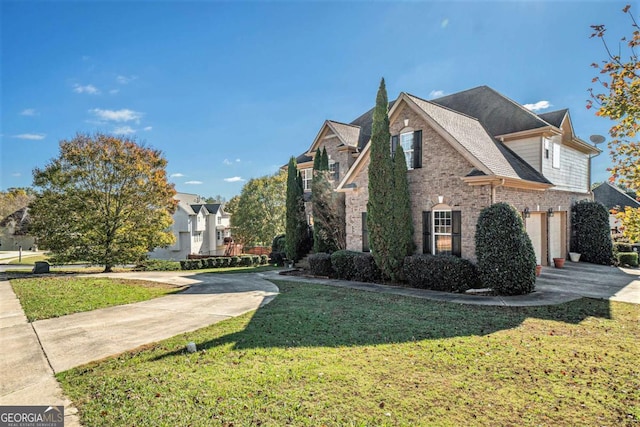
[(199, 228), (614, 199), (465, 152), (14, 231)]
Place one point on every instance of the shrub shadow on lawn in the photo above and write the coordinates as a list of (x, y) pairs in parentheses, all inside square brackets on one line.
[(305, 315)]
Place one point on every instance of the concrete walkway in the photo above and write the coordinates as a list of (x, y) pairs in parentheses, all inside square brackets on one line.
[(32, 353)]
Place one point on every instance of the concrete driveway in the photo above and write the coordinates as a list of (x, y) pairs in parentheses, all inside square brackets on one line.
[(31, 353)]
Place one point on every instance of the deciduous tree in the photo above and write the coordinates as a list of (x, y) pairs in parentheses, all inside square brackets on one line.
[(104, 200), (258, 214), (618, 98)]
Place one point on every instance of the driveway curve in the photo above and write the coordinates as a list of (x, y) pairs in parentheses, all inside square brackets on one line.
[(76, 339)]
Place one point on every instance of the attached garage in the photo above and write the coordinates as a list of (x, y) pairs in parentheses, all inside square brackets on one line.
[(548, 235)]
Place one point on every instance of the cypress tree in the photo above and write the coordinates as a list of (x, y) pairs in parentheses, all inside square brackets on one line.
[(380, 203), (402, 219), (296, 224), (324, 162), (317, 159)]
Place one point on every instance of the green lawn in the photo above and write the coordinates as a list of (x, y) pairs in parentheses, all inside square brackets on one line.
[(46, 297), (337, 357), (30, 259)]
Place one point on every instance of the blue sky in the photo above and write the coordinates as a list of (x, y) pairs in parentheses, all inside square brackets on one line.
[(230, 90)]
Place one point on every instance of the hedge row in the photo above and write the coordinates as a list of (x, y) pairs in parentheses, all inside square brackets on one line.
[(441, 273), (346, 265), (627, 259), (224, 261), (157, 265)]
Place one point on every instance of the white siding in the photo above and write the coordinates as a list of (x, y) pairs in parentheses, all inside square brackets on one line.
[(573, 174), (530, 149)]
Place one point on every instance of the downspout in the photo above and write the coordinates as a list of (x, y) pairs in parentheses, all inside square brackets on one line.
[(493, 190)]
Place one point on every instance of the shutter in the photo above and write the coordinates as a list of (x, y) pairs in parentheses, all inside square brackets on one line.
[(336, 171), (394, 144), (456, 233), (365, 233), (427, 244), (417, 149)]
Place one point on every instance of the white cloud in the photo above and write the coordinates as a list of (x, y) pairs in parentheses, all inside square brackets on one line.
[(193, 182), (89, 89), (16, 174), (123, 115), (227, 162), (31, 136), (436, 93), (114, 91), (124, 130), (237, 160), (123, 80), (29, 112), (444, 23), (540, 105), (148, 128), (235, 179), (176, 175)]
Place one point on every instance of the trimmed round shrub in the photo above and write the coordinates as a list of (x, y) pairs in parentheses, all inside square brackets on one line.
[(264, 259), (255, 260), (277, 258), (246, 261), (342, 263), (365, 268), (234, 261), (441, 273), (278, 243), (320, 264), (591, 235), (225, 261), (506, 259), (627, 258)]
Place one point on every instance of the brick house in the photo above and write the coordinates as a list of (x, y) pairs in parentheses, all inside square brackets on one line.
[(464, 152), (614, 199)]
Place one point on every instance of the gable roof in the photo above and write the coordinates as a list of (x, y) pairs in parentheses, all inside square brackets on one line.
[(613, 197), (211, 208), (554, 118), (20, 219), (468, 136), (499, 114), (469, 132)]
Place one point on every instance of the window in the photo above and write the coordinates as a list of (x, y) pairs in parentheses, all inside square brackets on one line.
[(219, 220), (307, 177), (365, 233), (556, 156), (411, 143), (219, 235), (197, 236), (442, 232), (406, 141), (334, 169), (547, 149)]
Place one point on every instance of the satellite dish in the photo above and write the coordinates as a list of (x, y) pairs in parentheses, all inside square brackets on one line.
[(596, 139)]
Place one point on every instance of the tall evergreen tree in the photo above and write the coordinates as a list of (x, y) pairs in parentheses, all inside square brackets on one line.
[(325, 206), (317, 160), (324, 160), (296, 223), (380, 203), (402, 219)]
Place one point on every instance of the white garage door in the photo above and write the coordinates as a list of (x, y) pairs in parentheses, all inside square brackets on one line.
[(534, 226), (555, 236)]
